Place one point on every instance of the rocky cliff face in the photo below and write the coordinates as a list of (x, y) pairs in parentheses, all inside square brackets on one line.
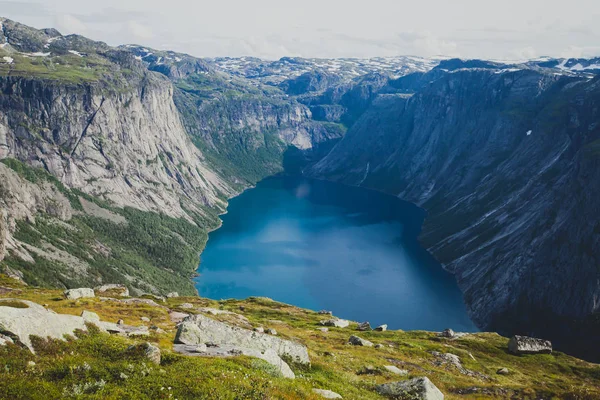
[(505, 163)]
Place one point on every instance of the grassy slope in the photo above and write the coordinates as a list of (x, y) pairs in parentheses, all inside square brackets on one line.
[(334, 363), (150, 248)]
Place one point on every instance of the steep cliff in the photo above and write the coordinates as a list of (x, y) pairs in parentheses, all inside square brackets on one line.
[(505, 162)]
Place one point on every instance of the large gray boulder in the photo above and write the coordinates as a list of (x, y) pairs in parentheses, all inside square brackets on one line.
[(268, 355), (413, 389), (74, 294), (32, 319), (356, 341), (338, 323), (199, 329), (529, 345)]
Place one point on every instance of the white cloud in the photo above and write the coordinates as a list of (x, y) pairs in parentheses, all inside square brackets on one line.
[(67, 23), (139, 31)]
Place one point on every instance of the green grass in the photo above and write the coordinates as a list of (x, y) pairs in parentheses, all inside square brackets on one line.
[(95, 358)]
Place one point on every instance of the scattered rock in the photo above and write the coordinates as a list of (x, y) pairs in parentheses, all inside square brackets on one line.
[(91, 317), (368, 370), (259, 329), (197, 329), (447, 333), (325, 312), (31, 364), (395, 370), (177, 317), (324, 330), (326, 394), (113, 290), (145, 319), (186, 305), (453, 361), (151, 352), (529, 345), (338, 323), (381, 328), (172, 294), (4, 340), (502, 371), (74, 294), (242, 308), (120, 322), (356, 341), (365, 326), (271, 331), (378, 346), (414, 389)]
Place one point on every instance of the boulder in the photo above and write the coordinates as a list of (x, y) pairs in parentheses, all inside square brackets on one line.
[(381, 328), (112, 290), (414, 389), (365, 326), (356, 341), (259, 329), (503, 371), (326, 394), (268, 355), (186, 306), (395, 370), (150, 351), (325, 312), (32, 319), (324, 330), (198, 329), (81, 293), (529, 345), (145, 319), (272, 331), (172, 295), (89, 316), (338, 323), (447, 333)]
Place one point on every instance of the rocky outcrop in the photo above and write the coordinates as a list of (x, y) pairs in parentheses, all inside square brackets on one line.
[(356, 341), (198, 329), (80, 293), (112, 289), (3, 234), (417, 389), (529, 345), (19, 319)]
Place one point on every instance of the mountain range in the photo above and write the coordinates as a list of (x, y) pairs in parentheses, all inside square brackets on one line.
[(117, 161)]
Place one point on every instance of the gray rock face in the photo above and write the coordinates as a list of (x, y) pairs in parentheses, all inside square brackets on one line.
[(198, 329), (508, 240), (529, 345), (20, 323), (327, 394), (338, 323), (395, 370), (414, 389), (364, 326), (356, 341), (268, 355), (74, 294)]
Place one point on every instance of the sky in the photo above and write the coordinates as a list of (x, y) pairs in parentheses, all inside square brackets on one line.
[(500, 29)]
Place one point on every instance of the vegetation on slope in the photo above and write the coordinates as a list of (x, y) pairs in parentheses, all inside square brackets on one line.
[(148, 251), (100, 366)]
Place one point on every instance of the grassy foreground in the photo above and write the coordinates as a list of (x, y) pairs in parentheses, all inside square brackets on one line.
[(99, 366)]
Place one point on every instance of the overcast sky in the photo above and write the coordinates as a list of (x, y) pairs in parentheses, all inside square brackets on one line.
[(500, 29)]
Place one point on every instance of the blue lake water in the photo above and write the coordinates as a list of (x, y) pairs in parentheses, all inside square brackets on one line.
[(321, 245)]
